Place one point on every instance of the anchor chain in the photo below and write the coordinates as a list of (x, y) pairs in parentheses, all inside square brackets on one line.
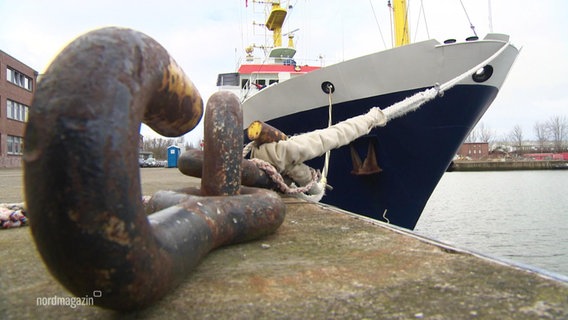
[(82, 181)]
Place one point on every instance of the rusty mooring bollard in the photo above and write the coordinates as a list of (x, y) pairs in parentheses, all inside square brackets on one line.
[(82, 181), (191, 164)]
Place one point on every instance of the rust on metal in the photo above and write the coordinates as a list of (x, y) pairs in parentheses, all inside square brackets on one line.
[(223, 142), (178, 93), (190, 163), (82, 181), (262, 133)]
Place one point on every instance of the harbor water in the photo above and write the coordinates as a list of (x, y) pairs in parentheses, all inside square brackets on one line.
[(519, 216)]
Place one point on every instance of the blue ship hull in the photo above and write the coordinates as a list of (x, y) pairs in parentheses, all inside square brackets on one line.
[(413, 151)]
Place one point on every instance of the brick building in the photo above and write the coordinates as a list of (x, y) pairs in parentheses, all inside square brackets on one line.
[(17, 85), (474, 150)]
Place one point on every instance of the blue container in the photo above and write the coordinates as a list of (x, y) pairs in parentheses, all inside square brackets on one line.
[(173, 155)]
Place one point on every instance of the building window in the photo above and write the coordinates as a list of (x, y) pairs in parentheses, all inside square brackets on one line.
[(16, 111), (19, 79), (15, 145)]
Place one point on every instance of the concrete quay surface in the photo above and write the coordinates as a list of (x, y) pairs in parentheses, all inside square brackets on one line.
[(322, 263)]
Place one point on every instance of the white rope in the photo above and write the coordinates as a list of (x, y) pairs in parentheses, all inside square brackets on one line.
[(325, 169), (410, 104), (317, 193), (385, 216)]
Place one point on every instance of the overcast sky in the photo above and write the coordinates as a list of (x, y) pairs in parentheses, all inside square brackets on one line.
[(207, 38)]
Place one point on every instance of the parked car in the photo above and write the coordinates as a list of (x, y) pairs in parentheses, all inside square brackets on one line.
[(149, 163), (152, 163)]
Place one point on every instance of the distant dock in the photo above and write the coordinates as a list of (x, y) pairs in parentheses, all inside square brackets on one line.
[(469, 165)]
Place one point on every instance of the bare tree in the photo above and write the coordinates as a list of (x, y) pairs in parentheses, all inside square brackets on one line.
[(189, 145), (516, 137), (485, 134), (472, 137), (481, 134), (557, 127), (541, 134), (158, 146), (180, 141)]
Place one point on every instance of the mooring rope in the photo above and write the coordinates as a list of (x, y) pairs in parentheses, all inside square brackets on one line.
[(248, 148), (325, 169), (277, 178)]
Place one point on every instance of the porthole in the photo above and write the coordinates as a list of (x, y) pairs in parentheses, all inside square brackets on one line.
[(327, 87), (483, 74)]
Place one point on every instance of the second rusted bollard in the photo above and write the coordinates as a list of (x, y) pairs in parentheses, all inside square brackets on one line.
[(223, 145)]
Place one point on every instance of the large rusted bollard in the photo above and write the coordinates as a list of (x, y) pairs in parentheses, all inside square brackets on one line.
[(82, 181)]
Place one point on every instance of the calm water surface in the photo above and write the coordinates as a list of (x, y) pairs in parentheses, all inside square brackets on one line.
[(515, 215)]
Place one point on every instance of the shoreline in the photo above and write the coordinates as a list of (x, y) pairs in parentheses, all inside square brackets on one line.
[(475, 165)]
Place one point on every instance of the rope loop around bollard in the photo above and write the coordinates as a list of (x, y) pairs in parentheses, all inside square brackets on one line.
[(82, 180)]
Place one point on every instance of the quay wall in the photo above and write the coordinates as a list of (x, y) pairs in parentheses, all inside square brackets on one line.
[(508, 165)]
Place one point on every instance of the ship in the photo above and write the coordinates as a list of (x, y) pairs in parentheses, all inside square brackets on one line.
[(388, 173)]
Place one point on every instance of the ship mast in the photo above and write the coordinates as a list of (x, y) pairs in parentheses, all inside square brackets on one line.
[(401, 33), (275, 21)]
